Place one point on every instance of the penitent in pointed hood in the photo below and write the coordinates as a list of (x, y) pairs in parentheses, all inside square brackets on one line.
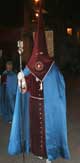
[(40, 61)]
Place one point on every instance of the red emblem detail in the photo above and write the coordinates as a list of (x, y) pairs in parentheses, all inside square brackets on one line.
[(39, 66)]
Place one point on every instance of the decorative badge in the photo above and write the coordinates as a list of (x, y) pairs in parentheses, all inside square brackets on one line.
[(39, 66)]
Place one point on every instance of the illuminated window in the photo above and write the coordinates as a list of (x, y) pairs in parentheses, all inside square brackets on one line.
[(69, 31)]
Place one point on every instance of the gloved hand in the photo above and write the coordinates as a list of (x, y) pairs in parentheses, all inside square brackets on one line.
[(22, 82)]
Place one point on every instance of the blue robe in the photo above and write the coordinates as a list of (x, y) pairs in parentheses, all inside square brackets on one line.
[(9, 95), (55, 118)]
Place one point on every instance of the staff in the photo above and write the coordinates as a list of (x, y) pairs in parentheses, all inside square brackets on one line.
[(20, 51)]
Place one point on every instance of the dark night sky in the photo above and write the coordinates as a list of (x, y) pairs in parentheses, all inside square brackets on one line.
[(65, 8), (12, 14)]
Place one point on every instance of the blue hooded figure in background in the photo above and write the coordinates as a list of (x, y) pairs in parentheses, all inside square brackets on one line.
[(8, 95), (39, 121)]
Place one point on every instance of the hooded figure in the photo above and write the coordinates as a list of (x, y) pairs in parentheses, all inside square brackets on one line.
[(43, 107), (8, 94)]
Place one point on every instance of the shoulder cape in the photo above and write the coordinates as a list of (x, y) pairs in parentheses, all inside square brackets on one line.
[(55, 118)]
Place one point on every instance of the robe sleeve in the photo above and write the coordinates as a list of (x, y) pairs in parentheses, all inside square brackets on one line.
[(15, 145)]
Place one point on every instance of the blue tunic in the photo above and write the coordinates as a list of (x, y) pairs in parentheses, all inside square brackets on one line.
[(9, 95), (55, 118)]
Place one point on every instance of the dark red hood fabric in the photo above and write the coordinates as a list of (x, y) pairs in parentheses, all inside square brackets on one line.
[(40, 61)]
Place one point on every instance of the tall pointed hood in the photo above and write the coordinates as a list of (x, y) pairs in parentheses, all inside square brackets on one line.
[(40, 61)]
